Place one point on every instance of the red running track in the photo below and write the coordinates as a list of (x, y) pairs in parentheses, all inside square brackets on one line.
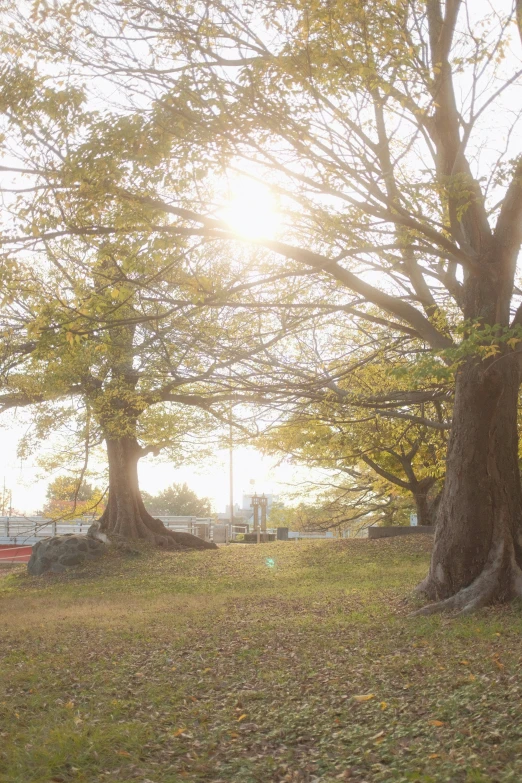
[(15, 554)]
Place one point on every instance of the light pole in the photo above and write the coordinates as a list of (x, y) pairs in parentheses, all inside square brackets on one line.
[(263, 503), (231, 473)]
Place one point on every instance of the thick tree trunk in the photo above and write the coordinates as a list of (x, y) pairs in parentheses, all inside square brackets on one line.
[(477, 555), (125, 515)]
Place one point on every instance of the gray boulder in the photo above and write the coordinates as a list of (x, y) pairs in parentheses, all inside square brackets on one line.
[(56, 553)]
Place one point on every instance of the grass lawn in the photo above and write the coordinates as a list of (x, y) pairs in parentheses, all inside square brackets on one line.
[(283, 662)]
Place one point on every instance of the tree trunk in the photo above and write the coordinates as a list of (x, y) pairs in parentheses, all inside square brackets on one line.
[(477, 555), (126, 515), (424, 508)]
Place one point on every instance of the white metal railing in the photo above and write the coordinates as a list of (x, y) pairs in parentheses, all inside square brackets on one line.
[(30, 530), (295, 535)]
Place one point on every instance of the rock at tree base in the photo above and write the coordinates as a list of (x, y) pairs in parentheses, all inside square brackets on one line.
[(55, 554)]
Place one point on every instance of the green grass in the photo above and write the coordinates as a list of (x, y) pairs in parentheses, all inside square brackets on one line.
[(223, 667)]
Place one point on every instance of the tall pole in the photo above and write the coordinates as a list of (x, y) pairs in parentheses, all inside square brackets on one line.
[(231, 472)]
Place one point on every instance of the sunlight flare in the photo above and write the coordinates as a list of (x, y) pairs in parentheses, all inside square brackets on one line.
[(251, 210)]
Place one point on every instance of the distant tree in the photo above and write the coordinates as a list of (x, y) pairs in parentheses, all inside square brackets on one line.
[(69, 497), (178, 500)]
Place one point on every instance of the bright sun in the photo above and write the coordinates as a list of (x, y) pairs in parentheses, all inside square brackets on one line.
[(251, 210)]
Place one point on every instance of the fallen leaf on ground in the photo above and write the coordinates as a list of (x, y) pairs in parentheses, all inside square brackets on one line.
[(179, 732)]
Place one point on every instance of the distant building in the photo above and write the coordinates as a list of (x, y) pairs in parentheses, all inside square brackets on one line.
[(239, 516), (245, 512)]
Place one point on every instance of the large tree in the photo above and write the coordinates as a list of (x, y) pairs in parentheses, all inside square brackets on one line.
[(389, 131), (112, 339), (96, 351), (113, 322)]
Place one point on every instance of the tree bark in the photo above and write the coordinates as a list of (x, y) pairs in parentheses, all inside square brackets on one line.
[(477, 555), (125, 515), (423, 507)]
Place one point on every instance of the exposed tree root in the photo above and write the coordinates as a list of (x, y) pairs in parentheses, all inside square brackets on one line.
[(144, 527), (499, 582)]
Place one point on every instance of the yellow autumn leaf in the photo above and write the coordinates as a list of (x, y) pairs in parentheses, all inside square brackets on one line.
[(490, 350), (179, 732), (242, 717), (434, 756), (69, 705), (383, 705), (122, 753), (436, 723), (365, 697)]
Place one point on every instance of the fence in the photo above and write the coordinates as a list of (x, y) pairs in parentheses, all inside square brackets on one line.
[(28, 530), (297, 535), (355, 533)]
